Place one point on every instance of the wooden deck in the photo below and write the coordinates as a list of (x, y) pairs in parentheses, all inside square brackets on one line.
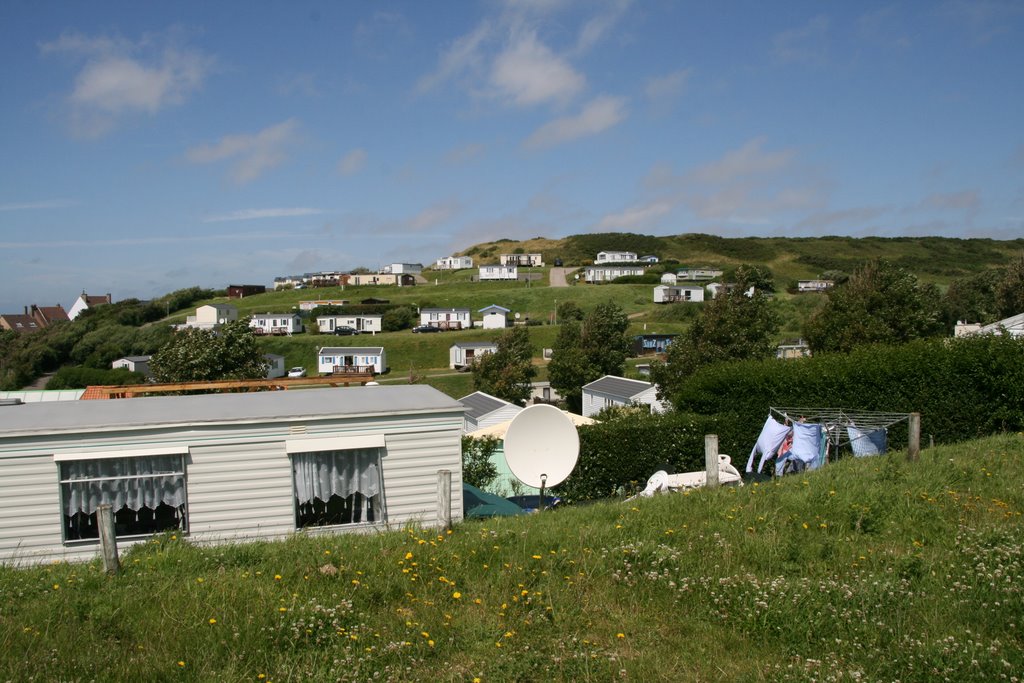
[(226, 385)]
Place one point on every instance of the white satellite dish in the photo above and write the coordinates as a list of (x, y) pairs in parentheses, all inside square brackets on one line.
[(541, 446)]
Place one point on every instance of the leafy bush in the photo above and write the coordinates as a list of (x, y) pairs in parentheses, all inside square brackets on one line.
[(963, 388), (477, 468), (79, 378), (672, 442)]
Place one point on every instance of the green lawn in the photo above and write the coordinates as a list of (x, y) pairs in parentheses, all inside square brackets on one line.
[(869, 570)]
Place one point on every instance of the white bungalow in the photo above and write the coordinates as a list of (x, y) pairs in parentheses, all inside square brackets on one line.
[(211, 316), (495, 317), (369, 324), (447, 318), (484, 410), (524, 260), (275, 365), (607, 273), (133, 363), (222, 468), (615, 257), (454, 263), (403, 268), (464, 353), (276, 323), (498, 272), (667, 294), (669, 278), (336, 359), (310, 304), (696, 274), (814, 285), (618, 391)]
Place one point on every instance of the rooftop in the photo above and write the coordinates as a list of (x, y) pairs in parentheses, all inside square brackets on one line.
[(618, 386)]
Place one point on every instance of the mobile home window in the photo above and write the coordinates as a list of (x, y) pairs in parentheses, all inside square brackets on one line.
[(146, 492), (338, 487)]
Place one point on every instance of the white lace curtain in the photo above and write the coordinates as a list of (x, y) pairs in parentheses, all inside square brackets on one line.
[(336, 473), (141, 482)]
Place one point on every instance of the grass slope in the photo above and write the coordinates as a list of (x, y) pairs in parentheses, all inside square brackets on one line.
[(871, 569)]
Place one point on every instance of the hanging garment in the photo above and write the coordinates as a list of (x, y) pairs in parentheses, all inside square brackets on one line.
[(768, 442), (867, 443), (806, 442)]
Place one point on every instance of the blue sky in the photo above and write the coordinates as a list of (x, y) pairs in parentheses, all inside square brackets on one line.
[(151, 146)]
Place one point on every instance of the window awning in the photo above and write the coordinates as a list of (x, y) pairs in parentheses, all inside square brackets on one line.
[(334, 443), (180, 449)]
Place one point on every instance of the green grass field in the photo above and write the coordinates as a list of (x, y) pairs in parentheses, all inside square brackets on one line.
[(869, 570)]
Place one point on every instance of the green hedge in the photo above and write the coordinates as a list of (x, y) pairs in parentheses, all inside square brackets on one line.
[(963, 388), (620, 455)]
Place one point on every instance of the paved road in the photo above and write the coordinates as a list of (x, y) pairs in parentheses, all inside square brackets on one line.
[(557, 278)]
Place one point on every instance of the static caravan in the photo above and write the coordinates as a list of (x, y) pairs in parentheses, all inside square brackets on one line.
[(332, 359), (276, 323), (610, 391), (464, 353), (223, 467), (364, 323)]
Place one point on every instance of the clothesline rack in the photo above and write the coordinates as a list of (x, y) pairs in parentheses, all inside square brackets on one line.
[(865, 420)]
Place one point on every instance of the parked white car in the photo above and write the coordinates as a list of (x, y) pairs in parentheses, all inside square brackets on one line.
[(297, 372)]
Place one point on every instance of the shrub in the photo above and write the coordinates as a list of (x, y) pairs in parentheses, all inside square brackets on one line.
[(80, 378)]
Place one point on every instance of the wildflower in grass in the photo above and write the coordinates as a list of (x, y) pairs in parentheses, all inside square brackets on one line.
[(212, 621), (261, 676), (805, 525), (181, 663), (536, 557), (56, 586), (200, 579), (430, 643), (457, 595), (277, 577), (620, 635), (282, 609), (476, 601), (408, 556)]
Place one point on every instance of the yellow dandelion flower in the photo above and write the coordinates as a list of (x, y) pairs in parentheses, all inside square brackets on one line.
[(620, 635), (282, 609), (456, 595), (181, 663), (56, 586), (408, 556), (277, 577), (536, 557), (213, 621), (430, 643)]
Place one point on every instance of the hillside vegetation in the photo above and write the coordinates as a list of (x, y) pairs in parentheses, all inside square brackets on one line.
[(870, 569)]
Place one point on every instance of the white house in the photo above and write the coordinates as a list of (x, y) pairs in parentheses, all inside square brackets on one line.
[(814, 285), (454, 263), (464, 353), (1013, 326), (85, 302), (403, 268), (133, 363), (618, 391), (495, 317), (310, 304), (338, 359), (669, 278), (276, 323), (212, 315), (615, 257), (275, 365), (222, 468), (650, 258), (608, 273), (498, 272), (484, 410), (446, 318), (665, 294), (289, 282), (704, 273), (369, 324), (524, 260)]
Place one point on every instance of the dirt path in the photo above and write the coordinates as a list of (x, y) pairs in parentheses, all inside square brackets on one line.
[(557, 277)]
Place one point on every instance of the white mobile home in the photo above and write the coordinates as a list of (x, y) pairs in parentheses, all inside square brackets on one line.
[(364, 323), (133, 363), (446, 318), (275, 365), (608, 273), (276, 323), (498, 272), (211, 316), (495, 317), (668, 294), (453, 263), (615, 257), (484, 410), (464, 353), (334, 359), (223, 467), (612, 391)]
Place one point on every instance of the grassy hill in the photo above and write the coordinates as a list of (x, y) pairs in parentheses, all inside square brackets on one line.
[(932, 259), (871, 569)]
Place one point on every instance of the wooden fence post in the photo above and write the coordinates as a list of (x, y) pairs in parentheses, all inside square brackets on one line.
[(711, 460), (914, 437), (444, 498), (108, 539)]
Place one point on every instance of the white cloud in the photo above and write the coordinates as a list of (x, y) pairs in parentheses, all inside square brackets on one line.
[(597, 28), (464, 54), (434, 215), (353, 162), (45, 204), (464, 154), (597, 116), (252, 214), (750, 159), (807, 43), (119, 78), (636, 217), (253, 154), (667, 86), (968, 200), (528, 73)]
